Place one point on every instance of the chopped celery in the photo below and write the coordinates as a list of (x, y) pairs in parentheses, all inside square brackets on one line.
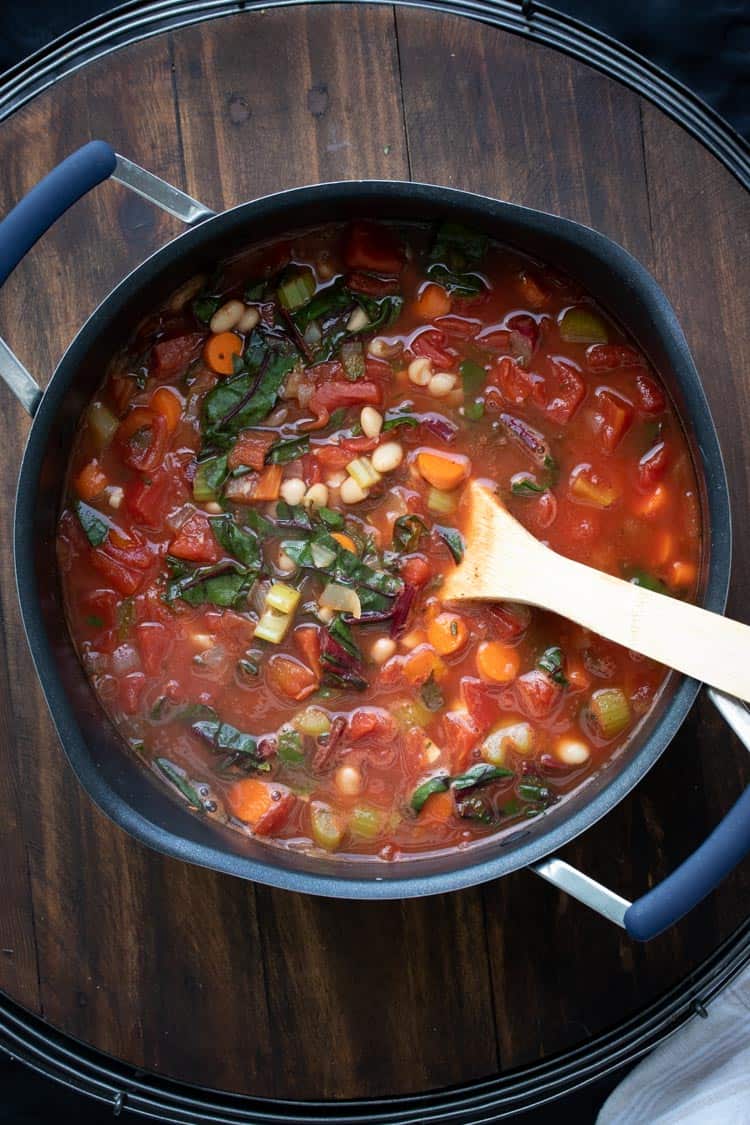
[(442, 502), (273, 626), (410, 713), (282, 597), (313, 721), (327, 827), (102, 424), (363, 472), (611, 711), (365, 821), (518, 737), (209, 479), (592, 490), (582, 326), (296, 290)]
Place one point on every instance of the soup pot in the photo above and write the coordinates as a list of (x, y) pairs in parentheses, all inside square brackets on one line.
[(117, 782)]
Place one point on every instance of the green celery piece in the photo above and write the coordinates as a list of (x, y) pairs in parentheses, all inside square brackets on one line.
[(296, 290), (209, 479)]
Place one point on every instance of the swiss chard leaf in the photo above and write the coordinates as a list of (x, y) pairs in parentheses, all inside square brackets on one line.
[(225, 411), (178, 779), (437, 784), (95, 526), (209, 479), (321, 552), (288, 450), (453, 540), (473, 377), (224, 737), (223, 585), (480, 774), (327, 303), (648, 582), (407, 532), (526, 486), (381, 311), (289, 747), (534, 789), (457, 284), (242, 545), (204, 307), (552, 661), (396, 420), (458, 246)]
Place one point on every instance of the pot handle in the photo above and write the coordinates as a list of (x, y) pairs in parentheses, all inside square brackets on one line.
[(48, 200), (689, 884)]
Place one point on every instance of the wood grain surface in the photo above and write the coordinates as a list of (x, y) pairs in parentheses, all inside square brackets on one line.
[(200, 976)]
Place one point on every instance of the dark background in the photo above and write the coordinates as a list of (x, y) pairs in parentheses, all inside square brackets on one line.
[(703, 43)]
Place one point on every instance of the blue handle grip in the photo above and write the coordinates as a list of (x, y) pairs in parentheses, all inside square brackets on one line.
[(50, 199), (661, 907)]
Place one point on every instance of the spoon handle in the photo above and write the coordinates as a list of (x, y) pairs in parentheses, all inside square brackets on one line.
[(699, 643)]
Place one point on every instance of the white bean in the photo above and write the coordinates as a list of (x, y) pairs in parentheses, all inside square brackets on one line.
[(227, 316), (348, 780), (326, 614), (371, 421), (335, 480), (387, 457), (250, 319), (351, 493), (572, 751), (381, 349), (382, 649), (358, 320), (284, 563), (316, 496), (420, 371), (213, 508), (115, 496), (293, 490), (441, 384)]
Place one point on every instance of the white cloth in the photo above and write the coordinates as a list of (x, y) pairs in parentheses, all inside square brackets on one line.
[(699, 1076)]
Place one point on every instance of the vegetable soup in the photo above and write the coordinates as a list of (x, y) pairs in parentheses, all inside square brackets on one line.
[(268, 488)]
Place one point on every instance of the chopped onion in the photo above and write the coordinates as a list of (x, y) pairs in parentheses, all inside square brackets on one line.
[(322, 556), (341, 598), (312, 334)]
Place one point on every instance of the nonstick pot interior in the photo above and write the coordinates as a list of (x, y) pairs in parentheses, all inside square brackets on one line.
[(118, 783)]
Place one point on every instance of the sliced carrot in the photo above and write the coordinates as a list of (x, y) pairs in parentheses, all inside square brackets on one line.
[(91, 481), (576, 674), (250, 449), (432, 301), (268, 484), (447, 633), (345, 541), (307, 639), (651, 504), (421, 663), (291, 678), (682, 573), (220, 350), (437, 808), (249, 799), (498, 662), (167, 402), (442, 470)]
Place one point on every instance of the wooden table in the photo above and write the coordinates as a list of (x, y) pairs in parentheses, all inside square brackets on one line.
[(230, 985)]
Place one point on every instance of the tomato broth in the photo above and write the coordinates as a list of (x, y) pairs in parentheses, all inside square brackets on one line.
[(268, 487)]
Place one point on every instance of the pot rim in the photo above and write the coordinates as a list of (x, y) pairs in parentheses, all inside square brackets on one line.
[(397, 882)]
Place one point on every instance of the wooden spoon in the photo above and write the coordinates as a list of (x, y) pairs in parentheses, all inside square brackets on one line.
[(504, 562)]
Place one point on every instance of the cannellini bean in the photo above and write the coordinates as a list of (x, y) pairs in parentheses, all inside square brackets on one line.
[(326, 614), (387, 457), (115, 496), (441, 384), (351, 493), (213, 508), (348, 780), (371, 421), (335, 480), (284, 563), (381, 349), (250, 319), (279, 415), (358, 320), (227, 316), (382, 649), (316, 496), (420, 371), (293, 490), (572, 751)]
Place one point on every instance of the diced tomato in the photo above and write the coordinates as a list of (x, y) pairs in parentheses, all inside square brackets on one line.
[(372, 286), (651, 398), (252, 488), (461, 733), (123, 566), (312, 470), (458, 328), (131, 688), (377, 370), (330, 396), (153, 643), (564, 389), (610, 357), (514, 382), (307, 639), (498, 340), (371, 722), (100, 605), (510, 621), (613, 417), (291, 678), (432, 344), (148, 498), (653, 465), (480, 702), (372, 246), (142, 438), (527, 327), (338, 456), (195, 541), (250, 449), (537, 694), (416, 571), (277, 815), (173, 357)]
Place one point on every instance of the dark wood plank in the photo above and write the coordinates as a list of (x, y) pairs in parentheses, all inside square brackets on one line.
[(215, 981)]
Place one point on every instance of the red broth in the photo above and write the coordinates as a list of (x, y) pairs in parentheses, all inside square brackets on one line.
[(268, 487)]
